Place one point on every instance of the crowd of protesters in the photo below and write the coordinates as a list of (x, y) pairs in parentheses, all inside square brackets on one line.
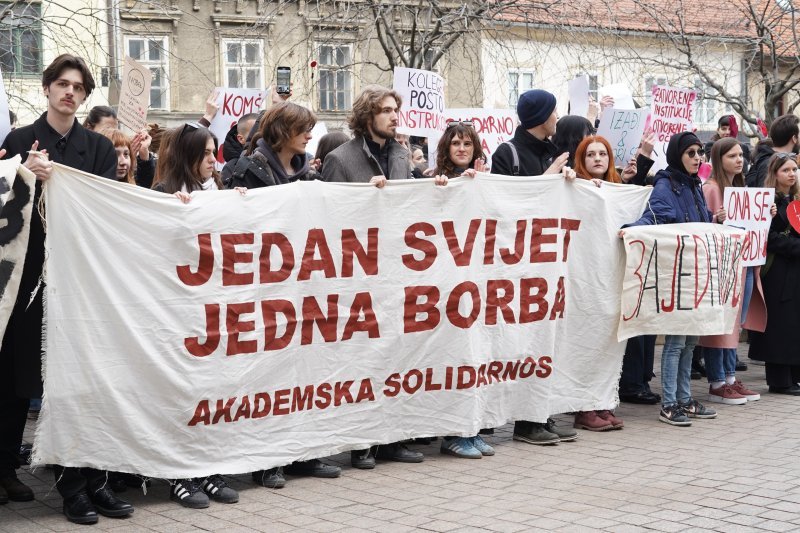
[(269, 149)]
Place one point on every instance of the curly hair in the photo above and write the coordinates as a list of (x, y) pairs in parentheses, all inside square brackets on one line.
[(611, 174), (367, 105), (444, 165)]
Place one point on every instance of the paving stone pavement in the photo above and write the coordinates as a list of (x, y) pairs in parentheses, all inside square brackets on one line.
[(739, 472)]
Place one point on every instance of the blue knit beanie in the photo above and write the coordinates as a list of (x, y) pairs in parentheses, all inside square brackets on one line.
[(535, 107)]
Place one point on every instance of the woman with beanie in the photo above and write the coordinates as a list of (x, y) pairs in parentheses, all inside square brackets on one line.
[(677, 198)]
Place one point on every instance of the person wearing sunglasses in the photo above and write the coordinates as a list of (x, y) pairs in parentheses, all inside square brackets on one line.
[(677, 197), (187, 162), (779, 345)]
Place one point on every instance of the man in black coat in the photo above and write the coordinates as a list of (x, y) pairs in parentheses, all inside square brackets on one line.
[(66, 82)]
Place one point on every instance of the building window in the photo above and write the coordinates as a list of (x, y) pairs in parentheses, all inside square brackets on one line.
[(21, 39), (649, 82), (335, 77), (519, 81), (706, 108), (243, 63), (152, 52)]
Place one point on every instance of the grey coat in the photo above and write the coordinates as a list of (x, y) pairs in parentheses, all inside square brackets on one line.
[(352, 162)]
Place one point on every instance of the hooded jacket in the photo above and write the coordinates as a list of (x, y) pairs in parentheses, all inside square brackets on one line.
[(263, 169), (758, 171), (677, 196)]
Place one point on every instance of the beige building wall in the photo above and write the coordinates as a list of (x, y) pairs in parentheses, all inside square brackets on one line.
[(553, 58)]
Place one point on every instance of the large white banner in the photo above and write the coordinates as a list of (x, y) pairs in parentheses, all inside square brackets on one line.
[(17, 189), (681, 279), (748, 208), (237, 333)]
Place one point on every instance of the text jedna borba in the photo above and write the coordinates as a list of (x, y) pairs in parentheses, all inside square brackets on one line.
[(273, 258)]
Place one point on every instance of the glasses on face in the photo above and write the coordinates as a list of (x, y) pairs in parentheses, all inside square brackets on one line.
[(454, 123), (695, 152)]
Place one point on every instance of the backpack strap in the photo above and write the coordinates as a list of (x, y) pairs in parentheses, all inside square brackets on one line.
[(514, 158)]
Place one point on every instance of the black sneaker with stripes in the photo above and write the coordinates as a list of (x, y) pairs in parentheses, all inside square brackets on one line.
[(218, 490), (187, 493)]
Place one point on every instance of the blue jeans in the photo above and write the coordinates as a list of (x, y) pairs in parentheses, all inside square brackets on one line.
[(676, 369), (749, 280), (720, 363)]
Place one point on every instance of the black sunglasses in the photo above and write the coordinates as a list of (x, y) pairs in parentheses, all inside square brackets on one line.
[(693, 152), (187, 126)]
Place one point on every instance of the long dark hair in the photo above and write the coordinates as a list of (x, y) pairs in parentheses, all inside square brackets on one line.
[(570, 131), (458, 129), (328, 143), (181, 157), (96, 114)]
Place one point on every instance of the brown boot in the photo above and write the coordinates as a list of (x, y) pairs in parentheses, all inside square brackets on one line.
[(608, 416), (589, 420)]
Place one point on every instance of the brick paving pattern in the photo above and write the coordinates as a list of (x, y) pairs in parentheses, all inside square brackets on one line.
[(739, 472)]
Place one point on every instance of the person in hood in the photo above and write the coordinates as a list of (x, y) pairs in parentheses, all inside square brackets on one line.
[(677, 197), (278, 153), (784, 136)]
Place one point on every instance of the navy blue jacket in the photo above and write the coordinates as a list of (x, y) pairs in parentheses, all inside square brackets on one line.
[(677, 197)]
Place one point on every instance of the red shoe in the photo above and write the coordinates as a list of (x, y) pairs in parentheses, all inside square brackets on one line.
[(609, 417), (589, 420), (726, 394), (751, 396)]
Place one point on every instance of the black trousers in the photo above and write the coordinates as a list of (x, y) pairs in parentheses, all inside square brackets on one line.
[(781, 376), (637, 364), (71, 481), (13, 405)]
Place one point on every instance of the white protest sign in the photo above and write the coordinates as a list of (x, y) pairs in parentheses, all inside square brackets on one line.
[(672, 112), (748, 209), (422, 112), (327, 316), (681, 279), (134, 96), (623, 129), (493, 126), (623, 99), (233, 104), (5, 118), (319, 130), (579, 95)]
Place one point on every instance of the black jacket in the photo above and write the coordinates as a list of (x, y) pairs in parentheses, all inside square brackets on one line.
[(758, 171), (534, 155), (263, 169), (780, 277), (85, 150)]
